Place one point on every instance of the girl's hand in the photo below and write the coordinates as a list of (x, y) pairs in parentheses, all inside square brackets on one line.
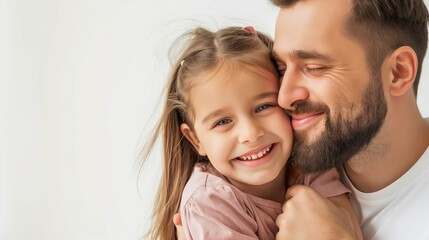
[(177, 220)]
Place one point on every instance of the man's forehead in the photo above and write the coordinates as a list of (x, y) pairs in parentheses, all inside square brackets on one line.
[(310, 15), (301, 30)]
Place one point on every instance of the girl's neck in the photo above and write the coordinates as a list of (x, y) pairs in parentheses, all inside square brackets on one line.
[(274, 190)]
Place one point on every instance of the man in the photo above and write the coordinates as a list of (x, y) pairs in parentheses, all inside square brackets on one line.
[(350, 73)]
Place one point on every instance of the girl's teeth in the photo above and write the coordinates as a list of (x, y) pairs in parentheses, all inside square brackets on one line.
[(258, 155)]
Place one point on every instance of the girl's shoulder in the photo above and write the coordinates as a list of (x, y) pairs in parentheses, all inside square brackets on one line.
[(206, 184), (210, 200), (327, 183)]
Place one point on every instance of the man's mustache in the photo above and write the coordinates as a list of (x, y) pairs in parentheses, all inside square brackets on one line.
[(302, 107)]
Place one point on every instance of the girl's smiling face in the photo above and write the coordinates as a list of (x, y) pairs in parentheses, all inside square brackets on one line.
[(239, 126)]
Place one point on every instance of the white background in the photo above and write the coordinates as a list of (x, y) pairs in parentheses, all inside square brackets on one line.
[(80, 83)]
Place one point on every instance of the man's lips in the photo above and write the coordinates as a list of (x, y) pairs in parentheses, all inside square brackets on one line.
[(300, 121)]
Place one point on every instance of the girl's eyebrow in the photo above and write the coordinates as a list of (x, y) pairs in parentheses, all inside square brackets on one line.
[(265, 95), (212, 115), (257, 97)]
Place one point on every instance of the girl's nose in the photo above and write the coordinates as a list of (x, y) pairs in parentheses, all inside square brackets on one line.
[(250, 131)]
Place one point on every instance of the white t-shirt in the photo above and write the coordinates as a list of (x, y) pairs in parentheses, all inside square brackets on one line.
[(399, 211)]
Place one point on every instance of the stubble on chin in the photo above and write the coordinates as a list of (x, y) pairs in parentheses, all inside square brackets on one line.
[(344, 135)]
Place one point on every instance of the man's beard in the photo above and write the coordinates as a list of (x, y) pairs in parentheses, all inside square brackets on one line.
[(344, 136)]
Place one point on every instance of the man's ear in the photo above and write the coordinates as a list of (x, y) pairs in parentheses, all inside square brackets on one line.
[(192, 138), (403, 63)]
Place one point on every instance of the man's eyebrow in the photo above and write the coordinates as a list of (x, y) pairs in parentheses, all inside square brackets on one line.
[(301, 54)]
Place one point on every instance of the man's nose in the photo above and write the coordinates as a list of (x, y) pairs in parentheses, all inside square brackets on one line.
[(292, 89)]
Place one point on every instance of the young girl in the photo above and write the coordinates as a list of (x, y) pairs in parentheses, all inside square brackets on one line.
[(226, 141)]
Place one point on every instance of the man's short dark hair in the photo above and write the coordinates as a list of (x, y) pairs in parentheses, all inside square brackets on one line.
[(382, 26)]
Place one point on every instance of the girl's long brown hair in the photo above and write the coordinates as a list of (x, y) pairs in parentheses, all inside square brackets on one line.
[(203, 52)]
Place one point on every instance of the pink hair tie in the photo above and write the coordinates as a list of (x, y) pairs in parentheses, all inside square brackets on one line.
[(250, 29)]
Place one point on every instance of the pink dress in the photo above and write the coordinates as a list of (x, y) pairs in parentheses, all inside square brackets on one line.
[(212, 208)]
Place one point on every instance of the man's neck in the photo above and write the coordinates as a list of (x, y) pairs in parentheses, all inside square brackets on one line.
[(395, 149)]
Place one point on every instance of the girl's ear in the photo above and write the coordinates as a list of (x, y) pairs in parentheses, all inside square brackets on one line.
[(192, 138), (403, 63)]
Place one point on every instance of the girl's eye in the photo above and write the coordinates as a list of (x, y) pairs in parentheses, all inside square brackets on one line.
[(263, 107), (222, 122)]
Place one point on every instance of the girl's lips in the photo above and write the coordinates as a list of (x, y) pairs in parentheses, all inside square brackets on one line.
[(255, 154), (302, 121), (256, 162)]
